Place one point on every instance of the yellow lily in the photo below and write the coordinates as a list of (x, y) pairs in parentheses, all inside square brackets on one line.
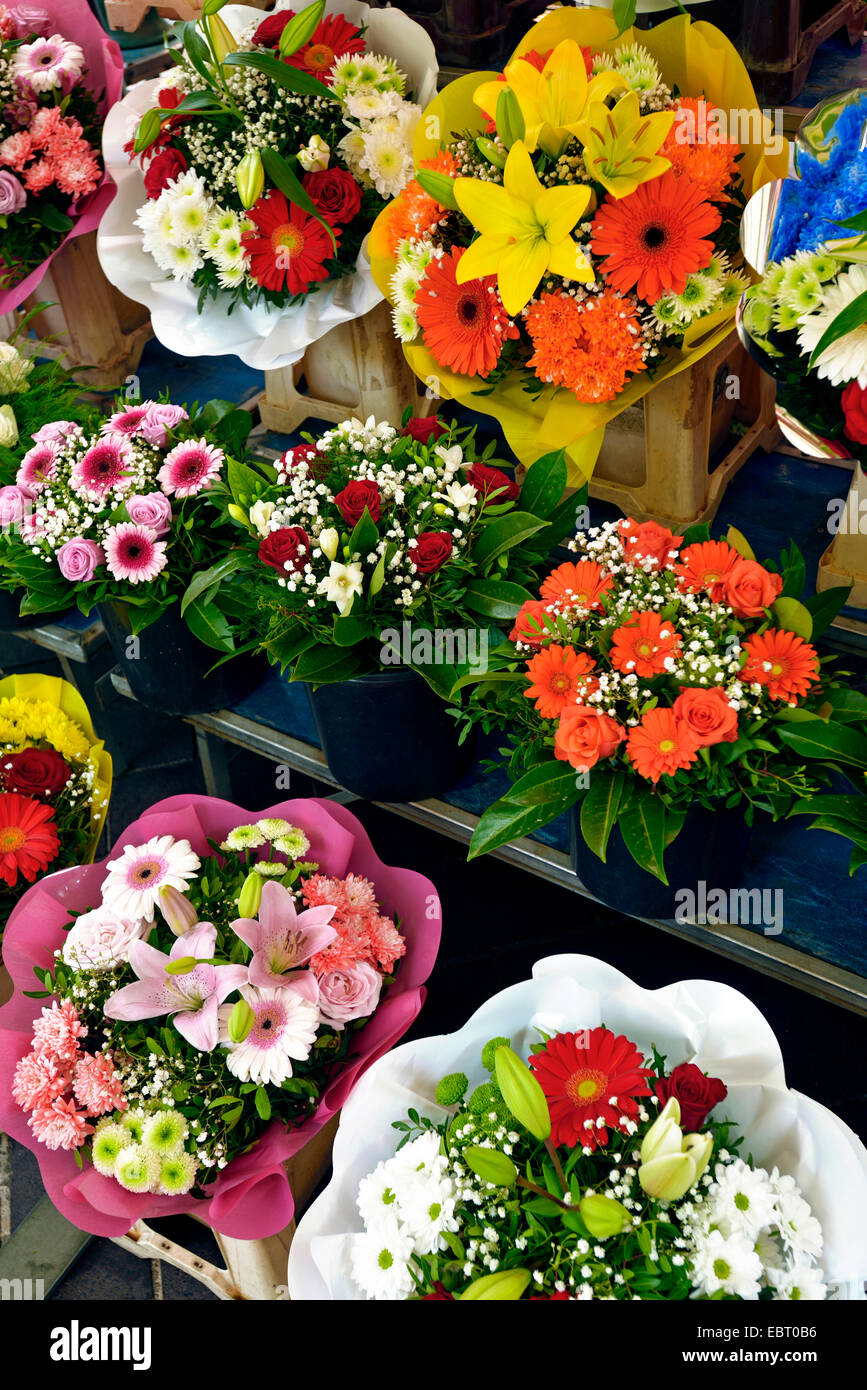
[(524, 230), (554, 100), (620, 145)]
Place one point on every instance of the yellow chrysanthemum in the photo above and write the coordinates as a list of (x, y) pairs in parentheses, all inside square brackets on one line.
[(23, 722)]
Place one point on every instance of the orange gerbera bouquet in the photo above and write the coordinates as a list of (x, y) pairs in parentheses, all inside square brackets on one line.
[(571, 233), (656, 672)]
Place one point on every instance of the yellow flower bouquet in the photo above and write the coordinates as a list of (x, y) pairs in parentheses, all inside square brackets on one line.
[(55, 782), (570, 237)]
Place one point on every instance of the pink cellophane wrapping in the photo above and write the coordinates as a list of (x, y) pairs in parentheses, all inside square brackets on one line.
[(251, 1198)]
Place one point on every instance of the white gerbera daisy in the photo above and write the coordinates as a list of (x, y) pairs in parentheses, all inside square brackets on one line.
[(846, 359), (741, 1200), (380, 1262), (803, 1282), (284, 1029), (723, 1264), (135, 879)]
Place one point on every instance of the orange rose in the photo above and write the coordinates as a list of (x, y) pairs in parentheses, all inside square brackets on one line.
[(749, 588), (530, 625), (585, 735), (707, 714), (648, 540)]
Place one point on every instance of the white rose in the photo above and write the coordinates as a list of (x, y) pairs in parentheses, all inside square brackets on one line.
[(8, 427), (328, 542), (314, 155), (260, 514), (100, 939)]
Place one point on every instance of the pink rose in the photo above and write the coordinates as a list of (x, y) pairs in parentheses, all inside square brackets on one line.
[(78, 559), (55, 432), (12, 195), (159, 419), (14, 505), (99, 940), (348, 994), (150, 509), (30, 19)]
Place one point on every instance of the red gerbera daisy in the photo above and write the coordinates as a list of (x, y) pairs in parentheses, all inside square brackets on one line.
[(463, 325), (591, 1079), (653, 238), (333, 38), (290, 249), (28, 838)]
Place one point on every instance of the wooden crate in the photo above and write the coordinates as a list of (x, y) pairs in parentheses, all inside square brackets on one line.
[(358, 368), (657, 455), (845, 560), (98, 331), (128, 14), (254, 1269)]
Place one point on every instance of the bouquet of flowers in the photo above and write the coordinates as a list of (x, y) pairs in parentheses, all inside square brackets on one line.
[(265, 157), (59, 73), (613, 1166), (570, 235), (656, 673), (372, 540), (55, 782), (124, 511), (212, 996)]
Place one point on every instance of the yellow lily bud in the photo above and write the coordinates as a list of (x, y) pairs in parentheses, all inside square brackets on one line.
[(241, 1020), (505, 1286), (664, 1135), (250, 895), (250, 178), (237, 513), (491, 1165), (668, 1177), (177, 909), (603, 1216), (328, 542), (221, 37), (522, 1093)]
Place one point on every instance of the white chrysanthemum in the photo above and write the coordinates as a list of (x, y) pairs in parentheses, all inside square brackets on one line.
[(798, 1227), (723, 1264), (272, 826), (640, 70), (182, 261), (283, 1031), (802, 1283), (134, 880), (223, 220), (388, 161), (419, 1161), (698, 297), (344, 76), (377, 1198), (189, 218), (404, 284), (294, 845), (133, 1121), (366, 103), (267, 869), (380, 1262), (741, 1200), (164, 1132), (846, 359), (229, 277), (108, 1141), (405, 324), (177, 1173), (155, 221), (243, 837), (136, 1169), (372, 70), (427, 1211), (733, 287)]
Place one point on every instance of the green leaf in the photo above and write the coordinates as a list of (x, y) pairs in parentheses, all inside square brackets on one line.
[(496, 598), (830, 742), (504, 533), (212, 6), (848, 705), (825, 606), (206, 622), (624, 14), (544, 484), (206, 579), (842, 807), (377, 579), (794, 617), (245, 484), (324, 663), (491, 152), (348, 630), (263, 1104), (284, 177), (197, 50), (853, 316), (440, 187), (55, 220), (291, 79), (364, 535), (599, 810), (541, 795), (794, 574), (739, 542), (301, 28), (643, 829)]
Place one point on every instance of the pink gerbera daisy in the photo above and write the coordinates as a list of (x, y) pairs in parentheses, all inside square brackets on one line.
[(60, 1125), (47, 63), (97, 1085), (57, 1031), (134, 880), (103, 466), (134, 553), (126, 422), (190, 467), (37, 466)]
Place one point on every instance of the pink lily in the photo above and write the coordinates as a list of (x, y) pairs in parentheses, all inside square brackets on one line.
[(283, 940), (193, 999)]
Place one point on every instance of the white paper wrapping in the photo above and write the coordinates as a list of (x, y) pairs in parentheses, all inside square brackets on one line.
[(264, 337), (692, 1021)]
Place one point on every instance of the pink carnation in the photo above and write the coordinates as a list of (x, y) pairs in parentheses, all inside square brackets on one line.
[(386, 942), (7, 24), (97, 1085), (39, 1079), (16, 149), (77, 172), (58, 1030), (45, 124), (60, 1125), (39, 176)]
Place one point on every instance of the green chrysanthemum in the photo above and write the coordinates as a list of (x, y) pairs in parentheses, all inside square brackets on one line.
[(698, 297), (787, 318), (758, 317), (107, 1143), (667, 312), (272, 826), (452, 1088), (823, 266), (136, 1168), (635, 64), (133, 1122), (293, 843), (732, 290), (266, 868), (177, 1173), (243, 837), (405, 324), (164, 1132), (773, 278), (489, 1051)]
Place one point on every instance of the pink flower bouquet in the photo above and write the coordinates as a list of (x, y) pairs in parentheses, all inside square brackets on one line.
[(210, 994), (59, 75)]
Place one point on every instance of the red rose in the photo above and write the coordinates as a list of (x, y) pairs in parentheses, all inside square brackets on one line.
[(647, 540), (169, 98), (488, 480), (695, 1093), (854, 403), (433, 549), (164, 167), (424, 428), (39, 772), (439, 1295), (352, 501), (269, 31), (335, 193), (286, 549)]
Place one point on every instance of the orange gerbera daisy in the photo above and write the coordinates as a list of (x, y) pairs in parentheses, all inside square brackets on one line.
[(463, 325), (415, 212), (655, 237), (556, 676), (696, 147), (28, 838), (660, 744), (781, 661), (644, 645), (705, 566), (591, 348), (578, 585)]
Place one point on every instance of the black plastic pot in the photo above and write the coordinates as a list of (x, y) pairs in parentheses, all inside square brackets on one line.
[(167, 667), (710, 848), (387, 737), (10, 617)]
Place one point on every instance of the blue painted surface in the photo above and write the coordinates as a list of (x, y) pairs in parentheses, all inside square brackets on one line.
[(837, 66)]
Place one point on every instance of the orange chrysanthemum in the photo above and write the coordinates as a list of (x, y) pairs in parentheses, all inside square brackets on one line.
[(560, 676), (28, 838), (696, 147), (782, 662), (415, 212), (644, 645), (578, 585), (655, 237), (463, 325), (660, 744), (705, 566), (591, 348)]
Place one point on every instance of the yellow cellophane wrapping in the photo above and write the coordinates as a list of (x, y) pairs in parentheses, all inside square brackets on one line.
[(55, 691), (698, 60)]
